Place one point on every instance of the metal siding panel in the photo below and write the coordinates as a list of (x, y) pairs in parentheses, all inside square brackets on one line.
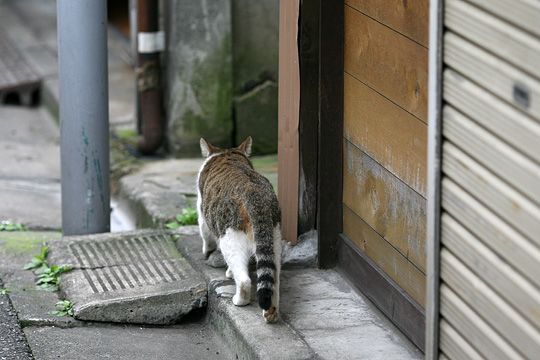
[(489, 305)]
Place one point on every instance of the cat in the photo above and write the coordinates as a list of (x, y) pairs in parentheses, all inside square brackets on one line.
[(238, 211)]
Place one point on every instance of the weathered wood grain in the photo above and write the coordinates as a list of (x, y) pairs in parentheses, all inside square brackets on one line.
[(390, 135), (454, 345), (521, 13), (388, 258), (503, 160), (409, 18), (388, 205), (509, 124), (492, 269), (491, 73), (386, 61), (289, 113), (490, 190), (477, 332), (489, 305), (497, 36), (378, 287), (492, 230)]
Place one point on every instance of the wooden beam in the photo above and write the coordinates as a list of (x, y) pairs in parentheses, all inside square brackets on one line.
[(330, 159), (288, 118)]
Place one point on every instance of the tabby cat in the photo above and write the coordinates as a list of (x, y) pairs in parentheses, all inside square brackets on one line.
[(239, 212)]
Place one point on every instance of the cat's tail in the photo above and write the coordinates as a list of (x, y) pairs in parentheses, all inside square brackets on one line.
[(263, 232)]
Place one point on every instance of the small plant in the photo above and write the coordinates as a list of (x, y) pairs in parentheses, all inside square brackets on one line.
[(4, 291), (187, 217), (50, 278), (39, 262), (63, 308), (7, 225)]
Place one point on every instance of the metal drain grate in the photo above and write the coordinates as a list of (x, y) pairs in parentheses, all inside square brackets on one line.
[(127, 263)]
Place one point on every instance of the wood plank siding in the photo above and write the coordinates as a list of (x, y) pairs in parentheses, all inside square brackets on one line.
[(385, 149), (489, 292)]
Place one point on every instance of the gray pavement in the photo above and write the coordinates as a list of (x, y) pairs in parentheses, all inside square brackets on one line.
[(12, 341), (30, 171), (194, 341)]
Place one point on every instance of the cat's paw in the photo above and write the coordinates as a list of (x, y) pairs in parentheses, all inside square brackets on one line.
[(228, 273), (240, 301), (270, 315)]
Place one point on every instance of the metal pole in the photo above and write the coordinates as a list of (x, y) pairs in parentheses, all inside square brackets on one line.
[(84, 119)]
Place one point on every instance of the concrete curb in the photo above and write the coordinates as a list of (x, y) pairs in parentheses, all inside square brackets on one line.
[(243, 327)]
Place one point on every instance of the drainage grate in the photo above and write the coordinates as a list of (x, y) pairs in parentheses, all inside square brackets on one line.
[(17, 78), (135, 277), (127, 263)]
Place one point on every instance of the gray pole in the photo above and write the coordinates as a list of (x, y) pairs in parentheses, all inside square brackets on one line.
[(84, 119)]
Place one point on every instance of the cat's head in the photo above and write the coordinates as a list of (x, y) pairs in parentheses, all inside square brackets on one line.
[(208, 149)]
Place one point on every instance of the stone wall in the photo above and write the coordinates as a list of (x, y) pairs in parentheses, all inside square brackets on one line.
[(221, 73)]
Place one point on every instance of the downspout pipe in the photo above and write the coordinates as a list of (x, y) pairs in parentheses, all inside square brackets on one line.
[(150, 42), (84, 116)]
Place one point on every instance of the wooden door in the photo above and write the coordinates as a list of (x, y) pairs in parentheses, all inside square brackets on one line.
[(384, 156)]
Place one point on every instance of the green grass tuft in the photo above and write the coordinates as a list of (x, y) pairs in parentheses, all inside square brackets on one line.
[(187, 217)]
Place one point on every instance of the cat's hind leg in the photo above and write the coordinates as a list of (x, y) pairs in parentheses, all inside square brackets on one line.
[(209, 240), (237, 249)]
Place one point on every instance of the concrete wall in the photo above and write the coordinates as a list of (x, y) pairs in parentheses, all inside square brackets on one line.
[(198, 74), (221, 73), (255, 68)]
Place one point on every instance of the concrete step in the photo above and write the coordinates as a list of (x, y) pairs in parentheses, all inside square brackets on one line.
[(321, 316), (130, 277)]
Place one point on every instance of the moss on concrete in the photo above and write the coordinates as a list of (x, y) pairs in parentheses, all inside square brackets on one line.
[(23, 242), (211, 115)]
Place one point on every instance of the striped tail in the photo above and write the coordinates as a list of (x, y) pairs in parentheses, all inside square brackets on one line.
[(264, 253)]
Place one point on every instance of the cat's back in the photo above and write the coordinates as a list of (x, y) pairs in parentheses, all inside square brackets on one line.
[(233, 192), (232, 173)]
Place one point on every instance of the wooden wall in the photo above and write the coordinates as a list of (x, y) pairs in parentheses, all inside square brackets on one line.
[(385, 136), (490, 191)]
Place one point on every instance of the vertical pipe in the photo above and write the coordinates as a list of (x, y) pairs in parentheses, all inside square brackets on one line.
[(149, 77), (436, 17), (84, 121)]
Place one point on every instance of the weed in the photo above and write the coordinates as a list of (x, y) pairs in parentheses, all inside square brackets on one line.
[(4, 291), (50, 278), (7, 225), (39, 262), (187, 217), (63, 308)]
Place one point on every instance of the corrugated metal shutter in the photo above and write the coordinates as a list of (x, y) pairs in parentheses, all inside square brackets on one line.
[(489, 296)]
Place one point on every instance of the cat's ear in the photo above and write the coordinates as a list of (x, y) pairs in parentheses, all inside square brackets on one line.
[(245, 146), (206, 148)]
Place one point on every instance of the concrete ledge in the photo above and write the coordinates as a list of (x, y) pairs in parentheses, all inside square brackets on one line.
[(242, 327), (160, 190), (321, 316)]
